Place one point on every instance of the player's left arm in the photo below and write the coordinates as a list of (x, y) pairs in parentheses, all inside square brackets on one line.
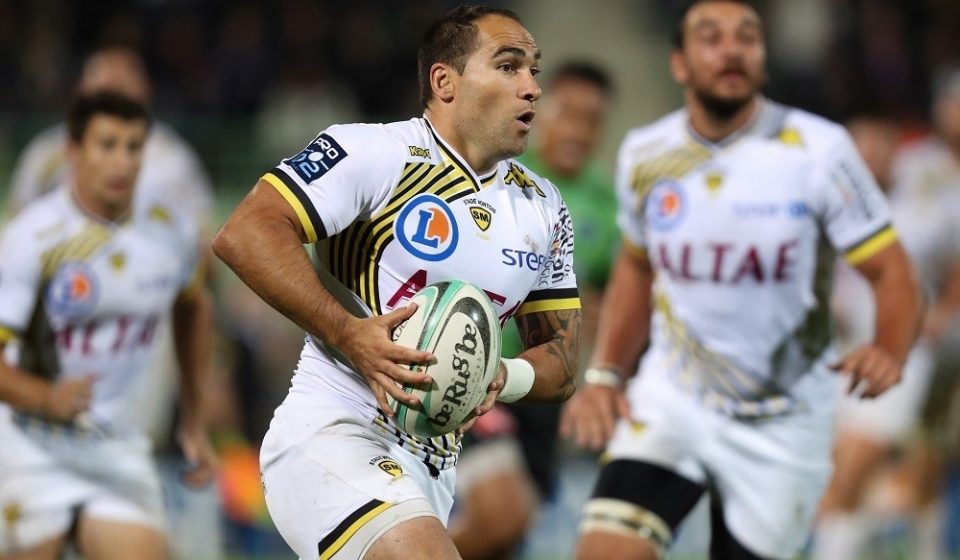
[(899, 303), (193, 341), (552, 342)]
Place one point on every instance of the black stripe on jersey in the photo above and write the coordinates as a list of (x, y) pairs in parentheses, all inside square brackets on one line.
[(345, 525), (558, 293), (866, 238), (297, 191)]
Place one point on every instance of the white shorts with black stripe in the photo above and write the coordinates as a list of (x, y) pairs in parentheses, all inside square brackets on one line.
[(334, 493)]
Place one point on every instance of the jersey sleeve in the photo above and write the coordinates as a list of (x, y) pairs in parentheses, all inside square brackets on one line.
[(343, 175), (19, 279), (556, 285), (852, 209), (629, 205)]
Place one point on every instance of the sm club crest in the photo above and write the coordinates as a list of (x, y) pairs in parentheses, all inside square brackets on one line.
[(481, 216)]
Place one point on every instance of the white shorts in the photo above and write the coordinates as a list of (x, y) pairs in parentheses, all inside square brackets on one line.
[(48, 475), (890, 417), (333, 485), (768, 474)]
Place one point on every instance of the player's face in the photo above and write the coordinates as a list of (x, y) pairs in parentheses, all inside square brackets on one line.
[(723, 55), (107, 161), (498, 88), (570, 124)]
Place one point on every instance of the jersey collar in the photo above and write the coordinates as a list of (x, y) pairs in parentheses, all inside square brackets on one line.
[(750, 127), (451, 156)]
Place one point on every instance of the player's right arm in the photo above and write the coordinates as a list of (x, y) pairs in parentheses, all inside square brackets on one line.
[(262, 241), (624, 329)]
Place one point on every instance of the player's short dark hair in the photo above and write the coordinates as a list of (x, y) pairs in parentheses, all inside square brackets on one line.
[(583, 71), (84, 106), (451, 40), (685, 8)]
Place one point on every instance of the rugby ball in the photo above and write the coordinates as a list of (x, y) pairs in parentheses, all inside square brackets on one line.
[(455, 321)]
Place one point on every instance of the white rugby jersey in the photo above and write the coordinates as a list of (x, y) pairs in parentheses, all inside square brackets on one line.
[(170, 168), (925, 204), (83, 295), (392, 207), (741, 236)]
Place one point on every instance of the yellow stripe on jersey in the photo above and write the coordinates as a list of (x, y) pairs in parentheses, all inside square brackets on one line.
[(862, 251), (673, 164), (346, 534), (6, 335), (549, 305), (294, 203), (77, 248)]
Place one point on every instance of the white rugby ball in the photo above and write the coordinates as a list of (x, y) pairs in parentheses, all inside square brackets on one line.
[(455, 321)]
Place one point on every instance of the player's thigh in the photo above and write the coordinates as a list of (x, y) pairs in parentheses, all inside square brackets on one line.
[(101, 539), (337, 493), (635, 510), (421, 538)]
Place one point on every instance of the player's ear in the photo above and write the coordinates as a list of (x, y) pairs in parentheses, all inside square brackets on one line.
[(678, 67), (442, 82)]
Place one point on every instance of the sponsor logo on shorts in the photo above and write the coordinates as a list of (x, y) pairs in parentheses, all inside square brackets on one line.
[(317, 158), (666, 205), (73, 291), (387, 465), (426, 228)]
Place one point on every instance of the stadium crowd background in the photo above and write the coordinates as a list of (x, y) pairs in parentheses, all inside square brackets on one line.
[(249, 82)]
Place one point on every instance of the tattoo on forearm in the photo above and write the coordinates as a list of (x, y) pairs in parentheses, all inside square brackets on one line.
[(558, 333)]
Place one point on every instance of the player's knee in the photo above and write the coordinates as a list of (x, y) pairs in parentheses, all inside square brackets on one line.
[(619, 529)]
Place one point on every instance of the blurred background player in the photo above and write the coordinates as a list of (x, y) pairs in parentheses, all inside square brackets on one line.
[(732, 210), (171, 171), (510, 458), (923, 186), (86, 280)]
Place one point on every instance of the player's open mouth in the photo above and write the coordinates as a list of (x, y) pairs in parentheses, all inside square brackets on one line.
[(526, 119)]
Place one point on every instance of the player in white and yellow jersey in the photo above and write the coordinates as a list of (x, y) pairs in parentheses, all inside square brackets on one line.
[(84, 281), (391, 208), (730, 210)]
